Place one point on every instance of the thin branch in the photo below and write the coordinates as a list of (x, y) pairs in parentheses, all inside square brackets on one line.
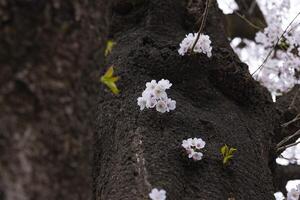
[(198, 21), (291, 121), (271, 51), (247, 20), (202, 24), (243, 17), (286, 139), (294, 27), (294, 99), (287, 146)]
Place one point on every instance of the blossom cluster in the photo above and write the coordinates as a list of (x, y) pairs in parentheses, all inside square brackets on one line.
[(193, 147), (203, 45), (155, 96), (293, 194), (279, 72), (156, 194)]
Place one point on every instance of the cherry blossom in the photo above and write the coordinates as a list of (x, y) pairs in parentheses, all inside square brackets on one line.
[(193, 147), (155, 96), (156, 194), (203, 45)]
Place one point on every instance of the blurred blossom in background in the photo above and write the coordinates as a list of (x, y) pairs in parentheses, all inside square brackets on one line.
[(278, 73)]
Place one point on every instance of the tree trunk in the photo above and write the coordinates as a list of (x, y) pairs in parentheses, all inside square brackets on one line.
[(49, 55), (217, 100)]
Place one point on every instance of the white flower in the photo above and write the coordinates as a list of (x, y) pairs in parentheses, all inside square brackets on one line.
[(156, 194), (155, 96), (186, 44), (161, 106), (279, 196), (228, 6), (159, 92), (171, 105), (186, 144), (165, 84), (147, 94), (190, 140), (151, 102), (151, 85), (200, 144), (197, 156), (192, 147), (190, 152), (142, 102), (203, 44), (294, 194)]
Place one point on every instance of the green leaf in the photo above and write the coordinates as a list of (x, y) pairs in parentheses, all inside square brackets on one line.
[(227, 153), (110, 81), (109, 46), (226, 159), (109, 73), (232, 150), (224, 150)]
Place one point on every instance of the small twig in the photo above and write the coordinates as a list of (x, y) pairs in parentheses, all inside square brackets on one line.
[(200, 18), (244, 18), (293, 28), (271, 51), (247, 20), (282, 157), (202, 24), (294, 99), (287, 146), (291, 121), (286, 139)]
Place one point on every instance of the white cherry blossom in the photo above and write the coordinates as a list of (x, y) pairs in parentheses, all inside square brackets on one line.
[(156, 194), (294, 194), (193, 148), (203, 44), (155, 96)]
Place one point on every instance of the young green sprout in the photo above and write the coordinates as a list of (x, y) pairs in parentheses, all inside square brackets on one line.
[(109, 46), (110, 81), (227, 153)]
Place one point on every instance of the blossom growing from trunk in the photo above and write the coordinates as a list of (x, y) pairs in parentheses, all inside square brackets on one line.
[(156, 194), (193, 147), (203, 44), (294, 194), (155, 95)]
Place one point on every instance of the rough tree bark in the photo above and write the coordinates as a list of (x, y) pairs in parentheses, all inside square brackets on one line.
[(217, 100), (49, 56)]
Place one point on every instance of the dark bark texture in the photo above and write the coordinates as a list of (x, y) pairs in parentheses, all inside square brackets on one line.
[(49, 59), (49, 55), (217, 100)]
